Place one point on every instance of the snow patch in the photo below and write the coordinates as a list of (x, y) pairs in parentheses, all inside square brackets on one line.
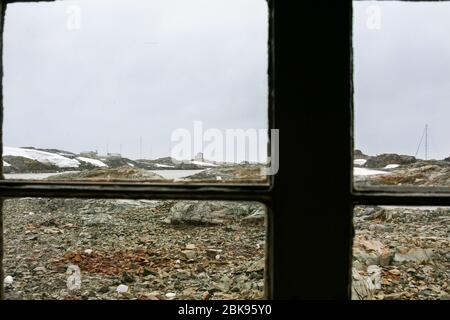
[(42, 156), (367, 172), (204, 164), (6, 164), (130, 164), (163, 166), (392, 166), (94, 162), (359, 162)]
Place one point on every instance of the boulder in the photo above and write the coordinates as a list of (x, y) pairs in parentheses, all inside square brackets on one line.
[(418, 255), (363, 287), (209, 212), (382, 160), (371, 252), (358, 154)]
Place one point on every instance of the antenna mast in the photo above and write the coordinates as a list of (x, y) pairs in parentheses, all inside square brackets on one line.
[(424, 135), (426, 142)]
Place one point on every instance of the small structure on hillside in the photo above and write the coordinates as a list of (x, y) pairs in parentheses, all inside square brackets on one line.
[(199, 157), (89, 154), (114, 155)]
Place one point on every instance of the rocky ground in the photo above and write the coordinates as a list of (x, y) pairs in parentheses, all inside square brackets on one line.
[(110, 175), (123, 249), (421, 173), (127, 249), (403, 170), (401, 253), (232, 173)]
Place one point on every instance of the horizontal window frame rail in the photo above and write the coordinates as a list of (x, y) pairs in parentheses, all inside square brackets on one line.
[(261, 193), (403, 189), (405, 199)]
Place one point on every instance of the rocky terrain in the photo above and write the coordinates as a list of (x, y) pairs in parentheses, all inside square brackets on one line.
[(402, 170), (241, 173), (131, 249), (123, 249), (401, 253), (421, 173), (36, 164), (35, 160), (111, 174)]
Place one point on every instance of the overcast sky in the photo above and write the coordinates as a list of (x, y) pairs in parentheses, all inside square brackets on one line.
[(402, 77), (133, 68)]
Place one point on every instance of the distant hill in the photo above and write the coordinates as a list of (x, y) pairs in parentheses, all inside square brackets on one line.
[(36, 160)]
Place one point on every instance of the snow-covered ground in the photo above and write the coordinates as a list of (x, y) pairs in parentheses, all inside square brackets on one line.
[(94, 162), (42, 156), (367, 172), (359, 162), (32, 176), (159, 165), (175, 174), (204, 164), (392, 166), (168, 174)]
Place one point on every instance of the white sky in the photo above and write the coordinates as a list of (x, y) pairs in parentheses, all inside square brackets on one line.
[(147, 67), (402, 77), (133, 68)]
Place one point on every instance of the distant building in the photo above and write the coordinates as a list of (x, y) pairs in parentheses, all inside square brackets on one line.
[(114, 155), (89, 154), (199, 157)]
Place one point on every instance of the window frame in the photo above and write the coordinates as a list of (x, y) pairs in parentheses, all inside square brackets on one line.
[(400, 195), (309, 250), (260, 192)]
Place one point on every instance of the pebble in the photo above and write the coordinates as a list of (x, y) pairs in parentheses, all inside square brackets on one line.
[(8, 280), (122, 288), (171, 295)]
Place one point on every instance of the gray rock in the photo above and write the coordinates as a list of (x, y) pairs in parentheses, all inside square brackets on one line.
[(100, 219), (127, 277), (189, 254), (383, 160), (209, 212), (258, 216), (104, 289), (415, 255), (257, 266)]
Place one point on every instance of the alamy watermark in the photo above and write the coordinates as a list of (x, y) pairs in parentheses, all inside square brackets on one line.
[(373, 21), (73, 21), (73, 281), (229, 145)]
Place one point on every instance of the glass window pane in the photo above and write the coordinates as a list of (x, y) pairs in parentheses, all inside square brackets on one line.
[(401, 253), (401, 81), (133, 249), (136, 90)]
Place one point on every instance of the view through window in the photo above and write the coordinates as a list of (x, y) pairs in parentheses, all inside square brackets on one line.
[(401, 82), (401, 119), (75, 249), (143, 91)]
